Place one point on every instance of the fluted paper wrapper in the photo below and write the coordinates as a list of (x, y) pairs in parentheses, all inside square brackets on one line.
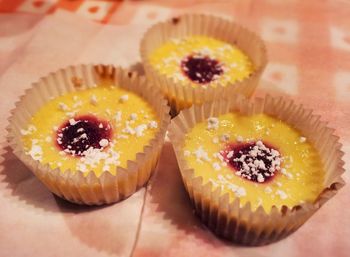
[(76, 186), (240, 224), (183, 94)]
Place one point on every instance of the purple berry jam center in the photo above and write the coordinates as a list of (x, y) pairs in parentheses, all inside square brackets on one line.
[(78, 134), (201, 69), (254, 161)]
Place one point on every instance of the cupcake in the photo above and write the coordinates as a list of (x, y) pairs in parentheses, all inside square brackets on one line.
[(198, 58), (91, 134), (256, 170)]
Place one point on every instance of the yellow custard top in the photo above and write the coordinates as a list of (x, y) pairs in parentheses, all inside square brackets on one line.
[(212, 149), (94, 129), (213, 61)]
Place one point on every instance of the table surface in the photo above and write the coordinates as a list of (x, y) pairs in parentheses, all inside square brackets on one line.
[(308, 44)]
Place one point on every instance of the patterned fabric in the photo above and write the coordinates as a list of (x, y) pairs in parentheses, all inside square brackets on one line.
[(308, 44)]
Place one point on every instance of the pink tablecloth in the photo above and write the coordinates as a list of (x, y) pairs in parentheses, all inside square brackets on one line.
[(309, 52)]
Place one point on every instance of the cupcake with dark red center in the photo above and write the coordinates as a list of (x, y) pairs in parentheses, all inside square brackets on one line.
[(257, 158), (255, 170), (78, 141), (200, 58)]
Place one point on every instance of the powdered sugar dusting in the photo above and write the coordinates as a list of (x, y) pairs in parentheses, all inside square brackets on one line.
[(36, 151), (254, 161), (28, 131), (94, 156), (124, 98), (213, 123), (201, 154)]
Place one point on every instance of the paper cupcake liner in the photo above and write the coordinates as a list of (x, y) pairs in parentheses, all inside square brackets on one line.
[(182, 94), (240, 224), (79, 187)]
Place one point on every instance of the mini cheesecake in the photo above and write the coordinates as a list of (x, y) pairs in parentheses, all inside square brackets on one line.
[(201, 61), (256, 158), (199, 58), (256, 170), (90, 130), (91, 133)]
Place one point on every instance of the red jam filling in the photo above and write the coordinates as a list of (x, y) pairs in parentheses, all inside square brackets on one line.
[(78, 134), (254, 161), (201, 69)]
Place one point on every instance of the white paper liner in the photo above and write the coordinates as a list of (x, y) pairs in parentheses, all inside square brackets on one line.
[(76, 186), (240, 224), (183, 94)]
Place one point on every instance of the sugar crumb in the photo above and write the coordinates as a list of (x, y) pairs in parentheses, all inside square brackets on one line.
[(240, 139), (28, 131), (63, 107), (216, 166), (282, 194), (215, 140), (268, 190), (224, 138), (201, 155), (140, 129), (104, 142), (213, 123), (153, 124), (124, 98), (187, 153), (93, 100)]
